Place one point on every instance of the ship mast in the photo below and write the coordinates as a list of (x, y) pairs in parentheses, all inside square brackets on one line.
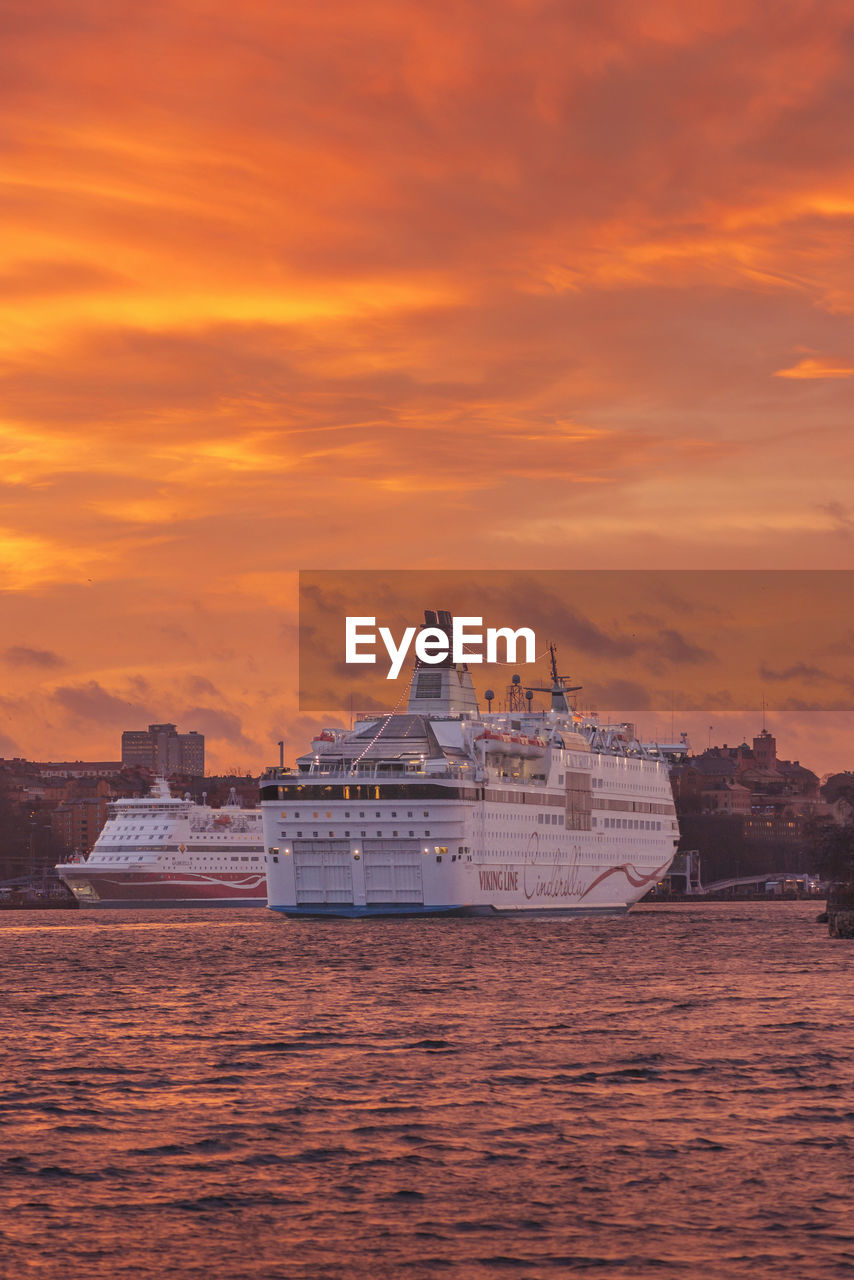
[(559, 687)]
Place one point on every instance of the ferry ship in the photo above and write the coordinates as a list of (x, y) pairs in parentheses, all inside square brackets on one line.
[(162, 851), (445, 810)]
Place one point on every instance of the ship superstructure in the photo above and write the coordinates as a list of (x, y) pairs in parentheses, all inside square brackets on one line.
[(444, 809), (164, 851)]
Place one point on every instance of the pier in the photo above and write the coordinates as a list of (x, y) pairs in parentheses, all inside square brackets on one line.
[(684, 881)]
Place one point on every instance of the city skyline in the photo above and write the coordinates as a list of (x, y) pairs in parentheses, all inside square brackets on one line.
[(393, 287), (664, 730)]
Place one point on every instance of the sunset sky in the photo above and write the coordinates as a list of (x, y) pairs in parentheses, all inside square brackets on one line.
[(391, 285)]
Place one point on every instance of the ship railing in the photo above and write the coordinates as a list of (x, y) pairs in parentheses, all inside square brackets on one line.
[(390, 769)]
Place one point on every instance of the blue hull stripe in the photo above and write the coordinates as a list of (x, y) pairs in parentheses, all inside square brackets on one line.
[(345, 911)]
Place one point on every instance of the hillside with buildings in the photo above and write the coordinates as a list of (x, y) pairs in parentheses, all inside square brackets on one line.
[(747, 811)]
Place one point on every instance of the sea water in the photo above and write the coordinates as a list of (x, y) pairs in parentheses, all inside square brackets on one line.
[(232, 1095)]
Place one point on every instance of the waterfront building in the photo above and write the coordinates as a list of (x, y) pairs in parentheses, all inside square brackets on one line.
[(163, 750), (76, 824)]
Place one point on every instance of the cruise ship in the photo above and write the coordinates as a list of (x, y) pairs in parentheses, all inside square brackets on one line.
[(443, 809), (163, 851)]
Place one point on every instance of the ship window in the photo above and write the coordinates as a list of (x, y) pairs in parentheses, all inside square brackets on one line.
[(314, 833), (361, 814), (539, 818), (379, 833), (377, 814), (409, 813), (346, 833), (426, 813), (394, 813), (299, 833), (363, 833), (394, 833), (426, 833), (346, 813), (412, 833), (296, 813)]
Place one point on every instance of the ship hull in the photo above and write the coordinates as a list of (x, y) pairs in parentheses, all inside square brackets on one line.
[(489, 910), (594, 876), (145, 890)]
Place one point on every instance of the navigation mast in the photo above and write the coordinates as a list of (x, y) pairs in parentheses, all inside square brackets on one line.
[(559, 688)]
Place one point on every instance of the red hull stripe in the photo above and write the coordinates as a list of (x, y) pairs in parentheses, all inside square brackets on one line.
[(152, 884)]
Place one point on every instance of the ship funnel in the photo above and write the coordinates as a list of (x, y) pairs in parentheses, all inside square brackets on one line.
[(444, 688)]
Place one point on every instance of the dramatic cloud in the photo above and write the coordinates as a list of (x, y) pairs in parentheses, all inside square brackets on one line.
[(396, 285), (798, 671), (92, 702), (20, 655), (217, 723), (676, 648), (200, 686)]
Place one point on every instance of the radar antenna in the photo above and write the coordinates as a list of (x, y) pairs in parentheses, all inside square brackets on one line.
[(559, 687)]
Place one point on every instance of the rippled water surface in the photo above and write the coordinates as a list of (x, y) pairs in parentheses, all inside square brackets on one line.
[(229, 1095)]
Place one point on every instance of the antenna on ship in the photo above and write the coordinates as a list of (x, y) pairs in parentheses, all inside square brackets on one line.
[(515, 695), (559, 688)]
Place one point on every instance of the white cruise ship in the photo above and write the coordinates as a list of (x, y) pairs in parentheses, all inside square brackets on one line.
[(445, 810), (162, 851)]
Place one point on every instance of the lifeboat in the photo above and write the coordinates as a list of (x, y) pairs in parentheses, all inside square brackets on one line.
[(323, 741), (511, 744)]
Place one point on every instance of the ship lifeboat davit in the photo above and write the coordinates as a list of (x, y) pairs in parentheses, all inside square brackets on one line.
[(511, 744), (324, 741)]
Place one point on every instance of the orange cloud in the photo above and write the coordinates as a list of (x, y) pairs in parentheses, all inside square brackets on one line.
[(286, 286), (816, 368)]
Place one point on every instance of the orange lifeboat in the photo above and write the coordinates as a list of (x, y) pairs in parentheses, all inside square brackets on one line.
[(511, 744)]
